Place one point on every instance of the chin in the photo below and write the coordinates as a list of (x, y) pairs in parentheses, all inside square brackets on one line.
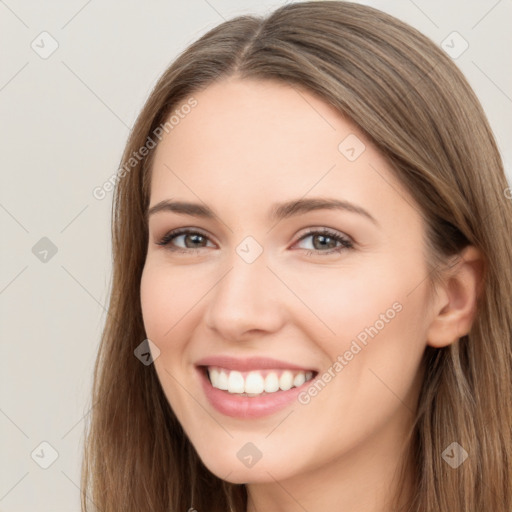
[(232, 470)]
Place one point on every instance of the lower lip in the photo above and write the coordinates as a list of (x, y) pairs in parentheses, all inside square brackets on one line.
[(238, 406)]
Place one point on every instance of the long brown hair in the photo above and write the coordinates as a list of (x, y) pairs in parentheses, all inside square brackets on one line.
[(414, 104)]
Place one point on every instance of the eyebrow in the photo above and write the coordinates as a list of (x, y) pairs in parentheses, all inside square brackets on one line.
[(278, 211)]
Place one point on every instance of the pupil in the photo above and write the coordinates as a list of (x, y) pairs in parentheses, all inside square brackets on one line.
[(332, 245), (194, 238)]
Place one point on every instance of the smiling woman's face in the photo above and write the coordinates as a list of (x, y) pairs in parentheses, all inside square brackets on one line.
[(349, 301)]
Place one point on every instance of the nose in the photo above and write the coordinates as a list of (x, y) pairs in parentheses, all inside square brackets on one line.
[(245, 301)]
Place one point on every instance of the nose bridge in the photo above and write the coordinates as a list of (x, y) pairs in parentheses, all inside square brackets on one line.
[(244, 298)]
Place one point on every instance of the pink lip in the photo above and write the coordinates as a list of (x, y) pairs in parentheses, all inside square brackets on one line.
[(245, 406), (250, 363)]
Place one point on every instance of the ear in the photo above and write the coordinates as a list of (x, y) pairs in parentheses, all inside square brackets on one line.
[(456, 300)]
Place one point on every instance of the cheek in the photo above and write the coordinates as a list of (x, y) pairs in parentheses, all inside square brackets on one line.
[(369, 290), (167, 302), (154, 303), (380, 330), (168, 298), (343, 301), (372, 315)]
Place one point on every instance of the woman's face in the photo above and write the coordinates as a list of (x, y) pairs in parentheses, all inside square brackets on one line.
[(267, 271)]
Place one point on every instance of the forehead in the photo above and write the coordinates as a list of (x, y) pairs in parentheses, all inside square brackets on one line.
[(247, 143), (260, 121)]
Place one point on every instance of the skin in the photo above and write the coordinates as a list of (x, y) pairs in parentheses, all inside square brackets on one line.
[(245, 146)]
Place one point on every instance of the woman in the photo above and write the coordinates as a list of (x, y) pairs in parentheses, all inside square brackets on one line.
[(312, 279)]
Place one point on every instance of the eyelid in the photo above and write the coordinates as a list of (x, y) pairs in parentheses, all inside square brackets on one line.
[(345, 242), (174, 233), (324, 229)]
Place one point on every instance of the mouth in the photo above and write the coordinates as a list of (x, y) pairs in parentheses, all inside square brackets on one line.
[(251, 388), (256, 383)]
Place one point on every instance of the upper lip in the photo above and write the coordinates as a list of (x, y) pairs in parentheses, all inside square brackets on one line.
[(250, 363)]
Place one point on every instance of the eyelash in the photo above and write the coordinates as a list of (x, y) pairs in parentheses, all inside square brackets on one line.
[(345, 242)]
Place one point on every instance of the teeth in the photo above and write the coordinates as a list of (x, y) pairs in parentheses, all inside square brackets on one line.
[(222, 381), (300, 378), (235, 382), (286, 380), (271, 383), (256, 383)]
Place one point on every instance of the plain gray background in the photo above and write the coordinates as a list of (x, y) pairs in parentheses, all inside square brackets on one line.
[(65, 120)]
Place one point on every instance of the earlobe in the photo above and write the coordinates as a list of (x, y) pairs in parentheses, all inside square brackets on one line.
[(456, 304)]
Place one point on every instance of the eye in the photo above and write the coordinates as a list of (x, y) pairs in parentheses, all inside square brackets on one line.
[(189, 240), (324, 241)]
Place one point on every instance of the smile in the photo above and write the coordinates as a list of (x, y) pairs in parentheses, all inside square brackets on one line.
[(250, 393), (256, 382)]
